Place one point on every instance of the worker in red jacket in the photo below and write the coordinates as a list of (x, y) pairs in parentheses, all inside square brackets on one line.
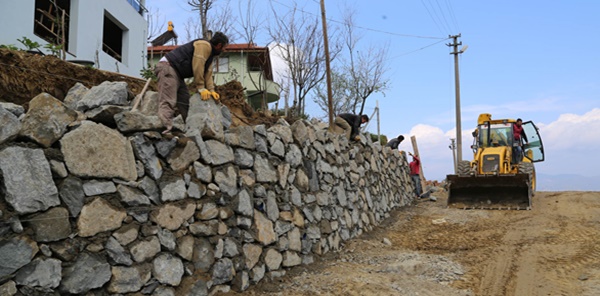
[(415, 166)]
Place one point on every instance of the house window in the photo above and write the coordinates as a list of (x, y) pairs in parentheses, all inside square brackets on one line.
[(222, 65), (112, 38), (51, 21), (255, 62)]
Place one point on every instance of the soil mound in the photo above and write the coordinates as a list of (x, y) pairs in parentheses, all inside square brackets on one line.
[(24, 75)]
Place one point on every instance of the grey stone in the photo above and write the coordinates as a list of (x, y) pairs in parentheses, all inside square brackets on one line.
[(242, 204), (128, 122), (105, 114), (132, 196), (167, 239), (28, 184), (75, 94), (142, 250), (58, 168), (97, 187), (107, 93), (164, 147), (93, 150), (46, 120), (172, 188), (16, 110), (216, 153), (167, 269), (10, 126), (196, 190), (88, 272), (181, 158), (206, 118), (145, 152), (243, 158), (15, 253), (185, 247), (223, 271), (271, 207), (203, 256), (203, 172), (117, 253), (40, 273), (51, 225), (226, 179), (149, 187), (128, 279), (264, 170)]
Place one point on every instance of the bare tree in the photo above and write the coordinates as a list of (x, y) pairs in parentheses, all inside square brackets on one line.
[(342, 98), (366, 68), (219, 21), (202, 6), (300, 41), (248, 27), (156, 24)]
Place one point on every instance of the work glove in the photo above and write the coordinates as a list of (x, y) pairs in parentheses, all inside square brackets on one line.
[(204, 94), (215, 95), (357, 138)]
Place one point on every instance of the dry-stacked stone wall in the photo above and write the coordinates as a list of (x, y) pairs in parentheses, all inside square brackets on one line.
[(95, 200)]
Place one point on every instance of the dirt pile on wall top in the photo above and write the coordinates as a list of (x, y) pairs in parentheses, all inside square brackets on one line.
[(24, 76)]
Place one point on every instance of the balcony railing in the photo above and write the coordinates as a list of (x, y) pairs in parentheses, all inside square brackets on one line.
[(137, 6)]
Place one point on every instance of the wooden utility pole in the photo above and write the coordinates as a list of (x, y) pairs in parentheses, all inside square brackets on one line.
[(378, 121), (327, 66), (456, 52)]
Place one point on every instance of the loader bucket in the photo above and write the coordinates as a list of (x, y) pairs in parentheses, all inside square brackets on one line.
[(503, 192)]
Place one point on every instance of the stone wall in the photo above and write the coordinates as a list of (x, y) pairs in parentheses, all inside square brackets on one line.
[(95, 200)]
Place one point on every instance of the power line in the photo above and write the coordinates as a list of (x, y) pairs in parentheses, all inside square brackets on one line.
[(364, 28)]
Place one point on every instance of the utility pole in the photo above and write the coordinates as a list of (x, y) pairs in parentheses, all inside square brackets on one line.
[(378, 121), (327, 66), (456, 52), (453, 148)]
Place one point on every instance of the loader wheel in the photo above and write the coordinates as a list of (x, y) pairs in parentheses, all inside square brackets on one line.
[(463, 168), (528, 168)]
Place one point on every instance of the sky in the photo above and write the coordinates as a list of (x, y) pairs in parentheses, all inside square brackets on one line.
[(536, 60)]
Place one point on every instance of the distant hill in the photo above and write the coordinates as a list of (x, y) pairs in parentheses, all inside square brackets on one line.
[(567, 182)]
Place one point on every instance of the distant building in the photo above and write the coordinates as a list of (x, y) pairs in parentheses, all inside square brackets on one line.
[(247, 63), (110, 34)]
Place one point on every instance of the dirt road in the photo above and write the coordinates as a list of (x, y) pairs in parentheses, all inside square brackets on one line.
[(432, 250)]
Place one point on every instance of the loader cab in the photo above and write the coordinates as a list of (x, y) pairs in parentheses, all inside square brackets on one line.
[(534, 149), (501, 134), (495, 135)]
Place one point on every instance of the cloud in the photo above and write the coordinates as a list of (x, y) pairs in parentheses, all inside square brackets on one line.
[(572, 131)]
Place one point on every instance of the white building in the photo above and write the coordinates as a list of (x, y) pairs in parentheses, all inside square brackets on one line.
[(111, 34)]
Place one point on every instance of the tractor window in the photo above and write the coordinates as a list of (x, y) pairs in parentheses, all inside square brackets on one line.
[(534, 149), (496, 135)]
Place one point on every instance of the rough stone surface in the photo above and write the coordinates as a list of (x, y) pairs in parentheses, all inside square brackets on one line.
[(99, 216), (51, 225), (88, 272), (27, 180), (40, 273), (15, 253), (46, 120), (95, 151)]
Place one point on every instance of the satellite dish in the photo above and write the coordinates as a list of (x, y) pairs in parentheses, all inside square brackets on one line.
[(464, 48)]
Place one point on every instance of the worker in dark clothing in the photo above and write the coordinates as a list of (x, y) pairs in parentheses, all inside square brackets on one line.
[(193, 59), (393, 143), (350, 124)]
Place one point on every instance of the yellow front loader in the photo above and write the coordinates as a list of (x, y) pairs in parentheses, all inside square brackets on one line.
[(501, 174)]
